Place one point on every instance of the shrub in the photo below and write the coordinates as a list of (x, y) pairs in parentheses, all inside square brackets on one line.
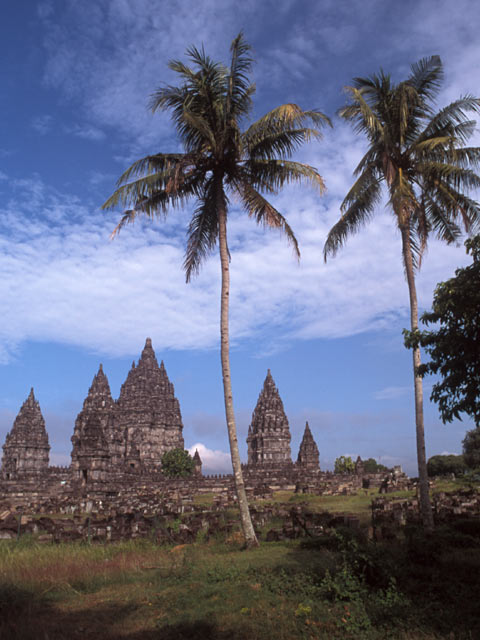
[(177, 463)]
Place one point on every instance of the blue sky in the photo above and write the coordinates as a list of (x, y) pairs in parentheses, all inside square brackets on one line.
[(76, 77)]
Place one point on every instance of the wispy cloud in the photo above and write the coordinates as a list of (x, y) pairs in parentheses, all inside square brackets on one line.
[(390, 393), (88, 132), (65, 281), (42, 124)]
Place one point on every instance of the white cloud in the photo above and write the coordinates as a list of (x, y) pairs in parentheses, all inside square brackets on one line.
[(64, 281), (213, 461), (390, 393)]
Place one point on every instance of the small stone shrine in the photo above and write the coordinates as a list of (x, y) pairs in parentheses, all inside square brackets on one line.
[(308, 455)]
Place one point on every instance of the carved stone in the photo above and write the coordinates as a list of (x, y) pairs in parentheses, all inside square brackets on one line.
[(308, 456), (26, 449), (148, 413), (269, 434), (93, 440)]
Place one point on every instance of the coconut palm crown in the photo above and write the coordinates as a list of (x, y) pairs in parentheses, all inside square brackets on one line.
[(220, 160), (421, 156)]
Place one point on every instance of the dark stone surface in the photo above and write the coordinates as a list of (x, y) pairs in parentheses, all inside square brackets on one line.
[(308, 455), (26, 449), (269, 433)]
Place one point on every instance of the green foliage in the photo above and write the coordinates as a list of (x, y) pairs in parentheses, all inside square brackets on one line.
[(419, 155), (177, 463), (421, 159), (445, 465), (454, 346), (344, 464), (208, 109), (471, 448), (363, 586), (343, 588), (372, 466)]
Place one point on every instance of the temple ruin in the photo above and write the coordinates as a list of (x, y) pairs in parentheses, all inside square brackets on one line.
[(117, 448), (26, 449)]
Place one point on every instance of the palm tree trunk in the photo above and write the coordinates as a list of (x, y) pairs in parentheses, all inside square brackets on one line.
[(425, 505), (245, 518)]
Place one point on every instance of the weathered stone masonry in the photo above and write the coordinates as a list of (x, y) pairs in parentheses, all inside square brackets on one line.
[(117, 446)]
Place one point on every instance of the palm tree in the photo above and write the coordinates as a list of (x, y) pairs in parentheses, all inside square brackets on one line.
[(220, 159), (422, 157)]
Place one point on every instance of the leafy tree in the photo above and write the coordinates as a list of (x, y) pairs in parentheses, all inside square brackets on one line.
[(471, 448), (372, 466), (454, 346), (421, 158), (177, 463), (220, 159), (445, 465), (344, 464)]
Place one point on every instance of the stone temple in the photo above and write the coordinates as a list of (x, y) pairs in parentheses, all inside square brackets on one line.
[(117, 448), (131, 433), (26, 449), (119, 443), (269, 434)]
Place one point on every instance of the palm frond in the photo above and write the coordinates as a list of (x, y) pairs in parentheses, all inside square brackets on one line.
[(272, 175), (285, 119), (265, 213), (357, 208), (159, 163), (239, 88), (426, 78), (455, 206), (436, 172), (202, 231), (206, 110), (451, 116), (364, 118), (446, 229), (179, 180)]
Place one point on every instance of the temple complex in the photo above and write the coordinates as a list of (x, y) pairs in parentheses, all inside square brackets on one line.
[(117, 447), (115, 475), (112, 438)]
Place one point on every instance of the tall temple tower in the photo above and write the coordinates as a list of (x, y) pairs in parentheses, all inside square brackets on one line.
[(148, 413), (269, 434), (308, 456), (26, 449), (93, 440)]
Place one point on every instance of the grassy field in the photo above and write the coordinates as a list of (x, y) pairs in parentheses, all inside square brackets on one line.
[(338, 586)]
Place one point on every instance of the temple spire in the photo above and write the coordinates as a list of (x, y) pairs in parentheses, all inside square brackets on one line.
[(308, 455), (149, 412), (26, 448), (269, 434)]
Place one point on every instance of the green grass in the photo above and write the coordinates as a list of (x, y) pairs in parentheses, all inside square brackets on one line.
[(337, 586), (332, 587), (203, 499), (358, 504)]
